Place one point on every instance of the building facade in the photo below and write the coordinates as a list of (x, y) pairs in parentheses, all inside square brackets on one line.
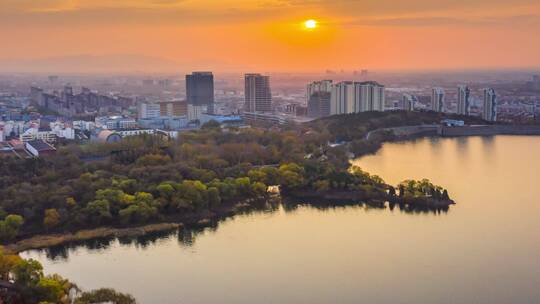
[(318, 86), (437, 99), (200, 91), (173, 108), (258, 95), (464, 100), (319, 104), (490, 105), (355, 97), (408, 102)]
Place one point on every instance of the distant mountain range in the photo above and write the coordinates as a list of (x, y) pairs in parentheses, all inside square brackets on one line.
[(90, 64)]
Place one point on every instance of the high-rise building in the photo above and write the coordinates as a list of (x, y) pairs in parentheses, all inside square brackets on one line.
[(490, 105), (342, 98), (354, 97), (437, 99), (408, 102), (200, 92), (258, 96), (464, 100), (318, 86), (148, 110), (319, 104), (370, 96)]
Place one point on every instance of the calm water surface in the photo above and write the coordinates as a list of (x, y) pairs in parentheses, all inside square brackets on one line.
[(486, 249)]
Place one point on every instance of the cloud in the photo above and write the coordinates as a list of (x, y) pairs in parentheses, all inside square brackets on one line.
[(196, 12), (430, 21)]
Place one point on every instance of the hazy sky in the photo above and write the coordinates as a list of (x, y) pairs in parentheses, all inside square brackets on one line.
[(268, 35)]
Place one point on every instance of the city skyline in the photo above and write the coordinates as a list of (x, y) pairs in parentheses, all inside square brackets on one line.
[(237, 35)]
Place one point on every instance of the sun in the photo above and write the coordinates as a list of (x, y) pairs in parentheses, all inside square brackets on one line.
[(310, 24)]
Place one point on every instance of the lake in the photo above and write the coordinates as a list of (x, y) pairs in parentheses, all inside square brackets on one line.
[(485, 249)]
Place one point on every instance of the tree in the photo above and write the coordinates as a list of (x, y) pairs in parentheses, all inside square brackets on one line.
[(445, 195), (292, 176), (214, 199), (211, 125), (7, 263), (105, 295), (391, 191), (27, 275), (9, 227), (71, 202), (98, 211), (51, 218), (259, 189)]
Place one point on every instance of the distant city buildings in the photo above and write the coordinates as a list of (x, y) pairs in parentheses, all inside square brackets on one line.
[(437, 99), (490, 105), (258, 95), (536, 81), (173, 108), (148, 110), (49, 133), (111, 123), (408, 102), (68, 104), (200, 94), (464, 100)]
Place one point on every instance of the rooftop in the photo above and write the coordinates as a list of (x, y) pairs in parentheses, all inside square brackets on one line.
[(41, 146)]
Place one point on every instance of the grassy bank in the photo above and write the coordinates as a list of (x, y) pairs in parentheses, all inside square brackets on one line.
[(43, 241)]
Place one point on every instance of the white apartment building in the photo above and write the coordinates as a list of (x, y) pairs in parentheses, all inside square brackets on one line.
[(354, 97), (464, 100), (437, 99), (490, 105)]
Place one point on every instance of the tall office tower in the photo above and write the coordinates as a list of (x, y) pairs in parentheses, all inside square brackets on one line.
[(258, 96), (318, 86), (464, 100), (408, 102), (490, 105), (148, 110), (200, 93), (319, 104), (437, 99), (342, 98)]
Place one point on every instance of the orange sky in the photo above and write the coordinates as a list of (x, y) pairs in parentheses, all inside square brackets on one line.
[(267, 35)]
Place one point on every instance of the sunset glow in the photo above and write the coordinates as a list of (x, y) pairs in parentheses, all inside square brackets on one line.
[(271, 34)]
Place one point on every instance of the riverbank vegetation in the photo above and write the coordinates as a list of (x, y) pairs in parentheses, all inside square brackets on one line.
[(354, 128), (23, 281), (149, 179)]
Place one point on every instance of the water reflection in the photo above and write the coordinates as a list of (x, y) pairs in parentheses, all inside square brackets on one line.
[(484, 250), (187, 236)]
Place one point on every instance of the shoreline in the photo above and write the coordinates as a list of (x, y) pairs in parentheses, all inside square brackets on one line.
[(411, 133), (39, 241), (49, 240), (203, 219)]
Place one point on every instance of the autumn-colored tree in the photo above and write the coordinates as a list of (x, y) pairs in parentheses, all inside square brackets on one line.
[(51, 218)]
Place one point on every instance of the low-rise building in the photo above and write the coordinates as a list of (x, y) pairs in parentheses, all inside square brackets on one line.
[(39, 148)]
